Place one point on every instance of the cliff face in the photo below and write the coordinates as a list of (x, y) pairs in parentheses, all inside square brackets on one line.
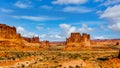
[(11, 40), (8, 32), (9, 36), (76, 40)]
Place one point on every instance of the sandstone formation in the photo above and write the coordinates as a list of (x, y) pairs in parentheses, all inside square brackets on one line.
[(76, 40), (10, 39), (32, 40), (105, 42), (45, 43), (9, 36), (8, 32)]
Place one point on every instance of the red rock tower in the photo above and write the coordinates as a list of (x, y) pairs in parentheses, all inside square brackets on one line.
[(76, 40)]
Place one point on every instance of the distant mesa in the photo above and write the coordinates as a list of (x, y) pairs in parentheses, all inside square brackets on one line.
[(77, 41), (32, 40)]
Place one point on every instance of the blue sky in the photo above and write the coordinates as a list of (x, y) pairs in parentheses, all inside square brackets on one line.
[(54, 20)]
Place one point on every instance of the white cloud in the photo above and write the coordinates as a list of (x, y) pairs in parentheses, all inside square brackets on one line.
[(56, 36), (62, 2), (23, 4), (5, 10), (52, 37), (37, 18), (111, 2), (77, 9), (100, 37), (67, 29), (25, 33), (42, 36), (115, 27), (99, 12), (98, 0), (111, 12), (112, 15), (85, 29), (39, 27), (46, 7)]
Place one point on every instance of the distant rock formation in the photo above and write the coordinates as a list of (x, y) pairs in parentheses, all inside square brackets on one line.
[(76, 40), (32, 40), (45, 43), (104, 42)]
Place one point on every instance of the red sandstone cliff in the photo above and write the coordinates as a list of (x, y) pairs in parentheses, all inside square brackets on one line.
[(10, 38), (76, 40), (7, 32)]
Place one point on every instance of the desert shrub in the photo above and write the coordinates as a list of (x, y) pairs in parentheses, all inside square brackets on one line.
[(103, 59), (59, 54), (59, 65), (77, 66), (53, 67), (40, 59), (1, 58), (23, 66), (13, 58), (56, 61), (71, 67)]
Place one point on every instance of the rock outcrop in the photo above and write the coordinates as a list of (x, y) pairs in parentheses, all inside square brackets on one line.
[(32, 40), (45, 43), (77, 41), (10, 39), (105, 42), (8, 32)]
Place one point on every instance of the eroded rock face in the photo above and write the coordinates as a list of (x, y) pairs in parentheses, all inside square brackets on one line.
[(10, 39), (76, 40), (32, 40), (8, 32)]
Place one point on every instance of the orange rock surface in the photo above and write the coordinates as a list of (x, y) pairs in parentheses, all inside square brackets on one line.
[(76, 40), (10, 39)]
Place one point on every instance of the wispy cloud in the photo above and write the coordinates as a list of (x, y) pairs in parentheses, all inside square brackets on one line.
[(23, 4), (110, 2), (46, 7), (37, 18), (100, 37), (66, 2), (77, 9), (6, 10), (39, 27), (98, 0)]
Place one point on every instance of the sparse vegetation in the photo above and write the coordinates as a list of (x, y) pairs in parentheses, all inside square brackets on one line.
[(56, 58)]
